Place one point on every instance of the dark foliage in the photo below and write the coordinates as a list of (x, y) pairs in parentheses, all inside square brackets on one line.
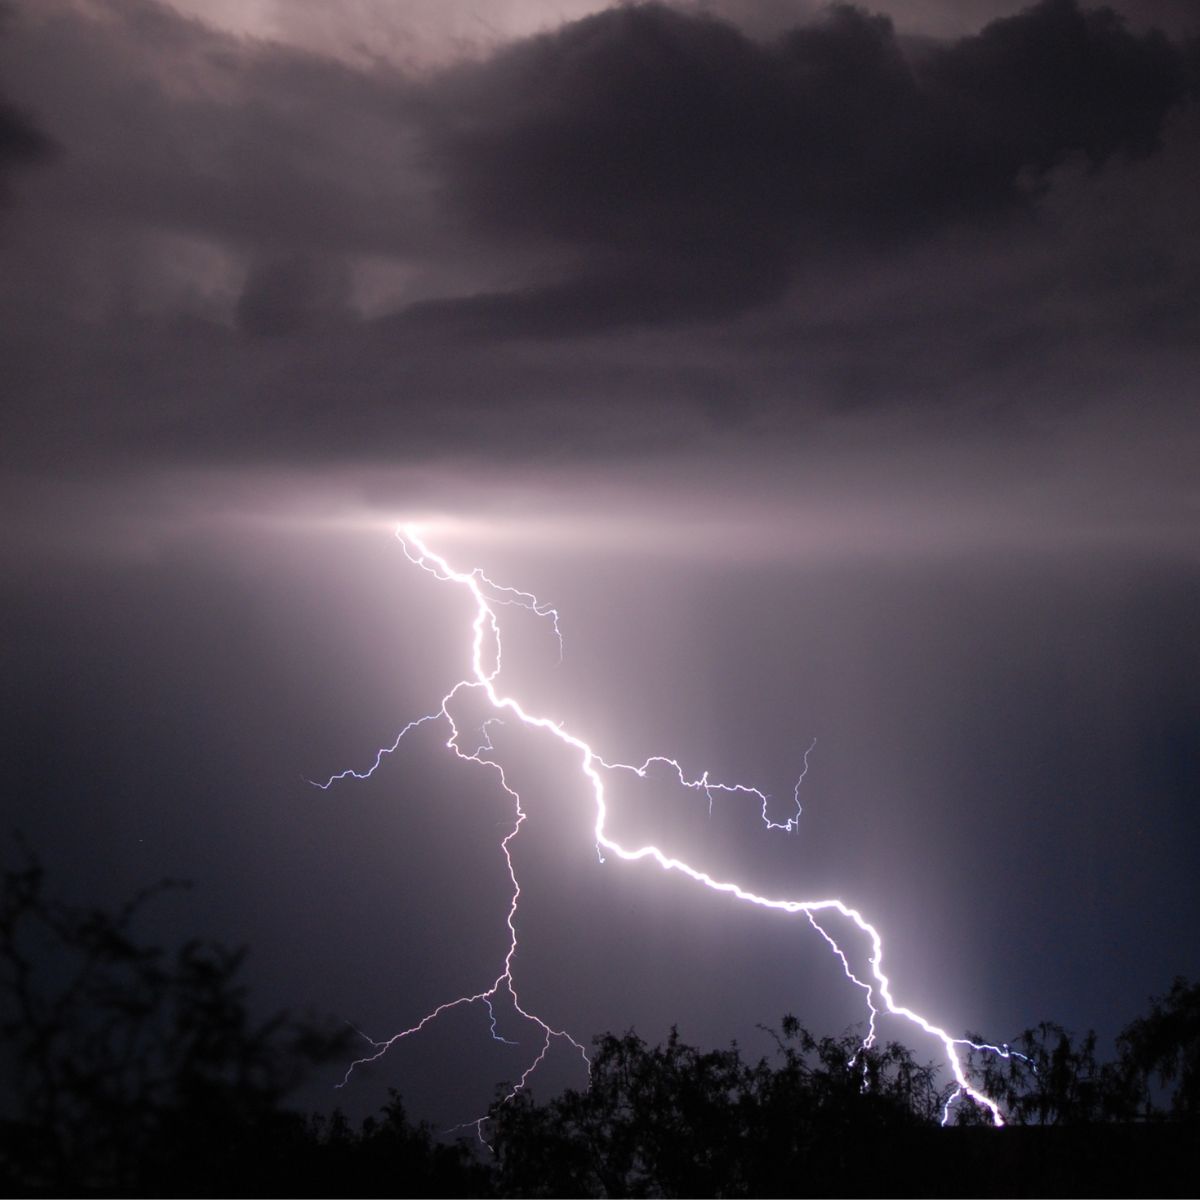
[(673, 1120), (1163, 1047), (1054, 1078), (828, 1118), (387, 1156), (126, 1070), (130, 1071)]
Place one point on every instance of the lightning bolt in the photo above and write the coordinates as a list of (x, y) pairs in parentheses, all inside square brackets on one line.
[(486, 658)]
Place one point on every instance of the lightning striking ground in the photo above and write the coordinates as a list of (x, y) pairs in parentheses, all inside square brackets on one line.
[(486, 658)]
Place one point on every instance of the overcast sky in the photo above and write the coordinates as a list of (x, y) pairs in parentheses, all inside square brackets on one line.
[(834, 371)]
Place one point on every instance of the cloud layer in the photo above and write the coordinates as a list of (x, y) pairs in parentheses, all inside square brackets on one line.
[(634, 234)]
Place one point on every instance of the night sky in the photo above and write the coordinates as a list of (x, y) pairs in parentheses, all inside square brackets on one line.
[(833, 371)]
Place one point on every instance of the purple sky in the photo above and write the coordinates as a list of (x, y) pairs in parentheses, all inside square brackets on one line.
[(833, 372)]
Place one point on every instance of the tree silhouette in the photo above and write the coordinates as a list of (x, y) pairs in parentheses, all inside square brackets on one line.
[(672, 1120), (1050, 1077), (829, 1118), (1165, 1045), (1054, 1078), (127, 1067), (389, 1155)]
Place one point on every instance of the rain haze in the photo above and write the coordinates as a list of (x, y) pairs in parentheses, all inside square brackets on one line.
[(831, 370)]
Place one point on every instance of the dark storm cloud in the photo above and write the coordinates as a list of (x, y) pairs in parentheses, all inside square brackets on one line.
[(168, 125), (22, 143), (630, 236), (691, 169), (292, 294)]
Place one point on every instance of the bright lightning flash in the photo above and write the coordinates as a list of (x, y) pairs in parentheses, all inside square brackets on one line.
[(485, 671)]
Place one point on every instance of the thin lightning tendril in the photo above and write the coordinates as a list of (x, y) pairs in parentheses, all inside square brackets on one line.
[(486, 637)]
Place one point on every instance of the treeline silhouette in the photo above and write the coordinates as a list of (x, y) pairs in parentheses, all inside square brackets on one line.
[(131, 1071)]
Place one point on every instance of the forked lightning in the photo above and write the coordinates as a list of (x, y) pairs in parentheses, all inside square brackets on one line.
[(485, 672)]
